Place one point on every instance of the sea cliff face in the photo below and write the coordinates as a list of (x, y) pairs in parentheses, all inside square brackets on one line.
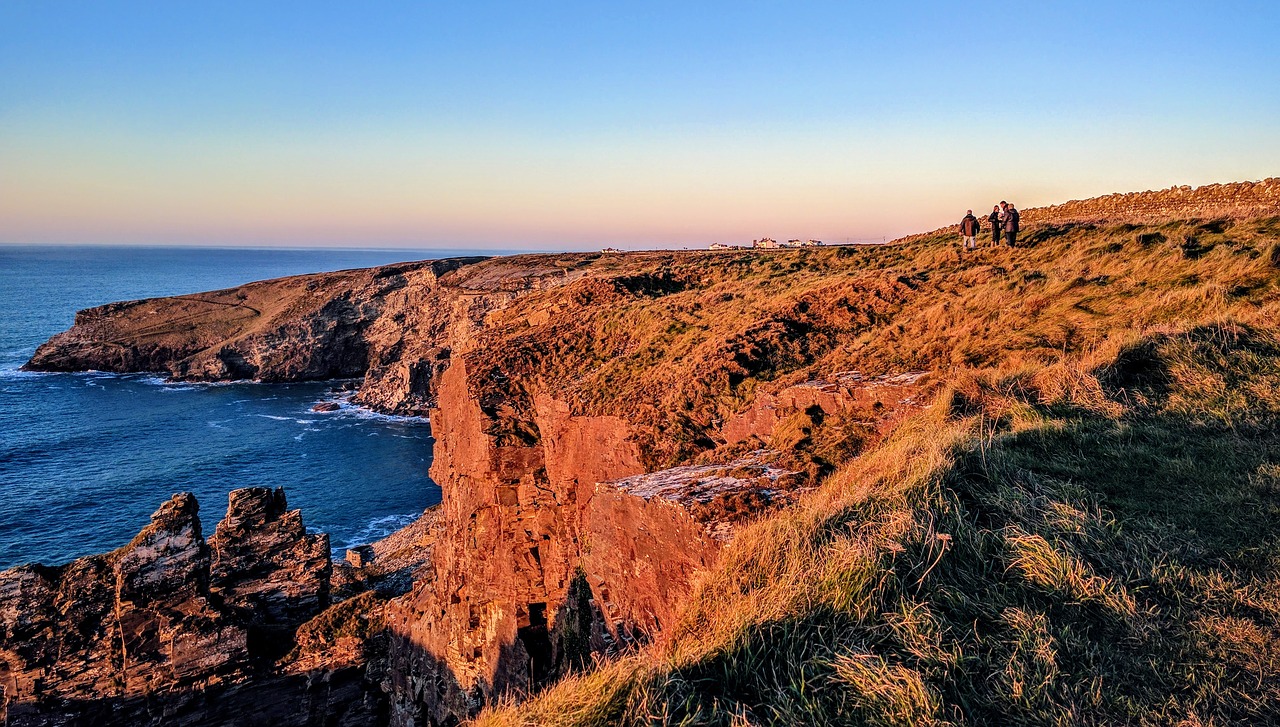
[(604, 425), (547, 548), (290, 329)]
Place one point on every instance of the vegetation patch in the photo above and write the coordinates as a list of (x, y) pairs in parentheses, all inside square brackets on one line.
[(1092, 540)]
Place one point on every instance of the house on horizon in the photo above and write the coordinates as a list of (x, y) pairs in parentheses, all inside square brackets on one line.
[(721, 246), (765, 242)]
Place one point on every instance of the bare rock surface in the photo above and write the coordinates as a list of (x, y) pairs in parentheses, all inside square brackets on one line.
[(164, 630), (264, 562), (288, 329)]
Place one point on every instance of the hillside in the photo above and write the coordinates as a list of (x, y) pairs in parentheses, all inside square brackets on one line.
[(889, 485)]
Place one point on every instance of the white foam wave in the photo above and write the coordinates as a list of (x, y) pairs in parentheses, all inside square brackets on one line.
[(15, 373), (375, 530), (348, 410)]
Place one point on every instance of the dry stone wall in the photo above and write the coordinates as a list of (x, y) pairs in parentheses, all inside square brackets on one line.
[(1212, 201), (1233, 200)]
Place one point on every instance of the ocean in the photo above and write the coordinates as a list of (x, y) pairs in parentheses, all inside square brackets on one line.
[(86, 458)]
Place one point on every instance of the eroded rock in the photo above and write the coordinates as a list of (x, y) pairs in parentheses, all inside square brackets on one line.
[(161, 631)]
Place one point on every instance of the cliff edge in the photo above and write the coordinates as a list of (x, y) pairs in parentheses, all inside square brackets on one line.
[(670, 461)]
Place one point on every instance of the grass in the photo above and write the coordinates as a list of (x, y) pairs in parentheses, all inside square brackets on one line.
[(678, 342), (1081, 530)]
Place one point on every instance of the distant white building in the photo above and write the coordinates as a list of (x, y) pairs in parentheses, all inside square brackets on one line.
[(721, 246), (767, 242), (611, 249)]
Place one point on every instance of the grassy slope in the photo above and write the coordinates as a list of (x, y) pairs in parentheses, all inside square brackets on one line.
[(1082, 530), (679, 342)]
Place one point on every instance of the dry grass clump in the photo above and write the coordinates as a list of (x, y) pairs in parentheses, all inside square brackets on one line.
[(1093, 541), (679, 343), (1082, 529)]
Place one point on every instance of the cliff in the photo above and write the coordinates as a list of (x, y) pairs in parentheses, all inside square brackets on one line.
[(607, 425)]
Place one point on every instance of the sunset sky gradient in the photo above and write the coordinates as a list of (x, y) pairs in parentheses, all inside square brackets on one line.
[(571, 125)]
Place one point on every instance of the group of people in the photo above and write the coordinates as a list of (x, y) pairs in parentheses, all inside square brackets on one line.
[(1003, 220)]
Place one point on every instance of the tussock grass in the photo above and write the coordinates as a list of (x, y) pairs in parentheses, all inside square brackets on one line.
[(679, 342), (1052, 556), (1082, 529)]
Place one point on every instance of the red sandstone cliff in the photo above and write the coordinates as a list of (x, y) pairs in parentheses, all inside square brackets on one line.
[(547, 548)]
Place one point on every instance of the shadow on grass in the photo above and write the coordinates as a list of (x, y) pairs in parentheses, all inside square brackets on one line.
[(1091, 570)]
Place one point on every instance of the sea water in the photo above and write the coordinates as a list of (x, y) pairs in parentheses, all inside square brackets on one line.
[(85, 458)]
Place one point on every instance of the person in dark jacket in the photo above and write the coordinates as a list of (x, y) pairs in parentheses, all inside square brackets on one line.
[(1011, 225), (996, 221), (969, 230)]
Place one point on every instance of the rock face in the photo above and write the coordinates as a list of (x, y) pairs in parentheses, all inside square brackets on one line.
[(645, 536), (288, 329), (603, 425), (885, 398), (163, 630), (552, 542), (491, 616), (264, 562)]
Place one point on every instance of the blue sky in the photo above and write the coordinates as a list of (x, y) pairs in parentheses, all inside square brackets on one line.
[(572, 125)]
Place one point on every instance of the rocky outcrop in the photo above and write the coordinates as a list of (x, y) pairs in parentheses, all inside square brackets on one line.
[(645, 536), (164, 630), (882, 401), (264, 562), (481, 623)]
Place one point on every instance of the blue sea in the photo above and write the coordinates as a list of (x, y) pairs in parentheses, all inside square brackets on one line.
[(86, 458)]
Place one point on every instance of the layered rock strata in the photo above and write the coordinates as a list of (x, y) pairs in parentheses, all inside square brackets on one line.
[(488, 619), (165, 629)]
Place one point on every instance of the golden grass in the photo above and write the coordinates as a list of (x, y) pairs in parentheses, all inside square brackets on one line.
[(678, 342), (1083, 528)]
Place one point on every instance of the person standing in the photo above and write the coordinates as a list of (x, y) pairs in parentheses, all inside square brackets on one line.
[(996, 220), (969, 230), (1011, 225)]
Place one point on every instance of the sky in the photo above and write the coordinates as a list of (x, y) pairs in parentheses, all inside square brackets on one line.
[(574, 125)]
